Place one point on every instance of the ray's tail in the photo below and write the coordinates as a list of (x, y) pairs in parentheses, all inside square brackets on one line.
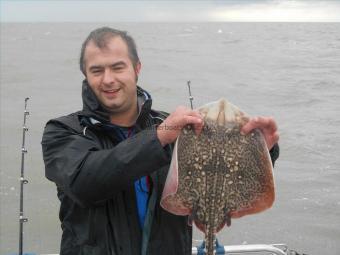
[(209, 242), (210, 231)]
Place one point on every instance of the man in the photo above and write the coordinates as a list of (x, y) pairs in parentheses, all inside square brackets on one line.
[(109, 160)]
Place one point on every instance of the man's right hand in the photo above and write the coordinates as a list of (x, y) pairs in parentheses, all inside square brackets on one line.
[(171, 127)]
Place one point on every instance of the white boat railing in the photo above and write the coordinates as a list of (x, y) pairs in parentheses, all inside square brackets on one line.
[(275, 249)]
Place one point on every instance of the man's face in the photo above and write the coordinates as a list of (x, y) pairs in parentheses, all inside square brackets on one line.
[(111, 75)]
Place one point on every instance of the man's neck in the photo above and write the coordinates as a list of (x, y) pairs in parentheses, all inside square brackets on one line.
[(126, 119)]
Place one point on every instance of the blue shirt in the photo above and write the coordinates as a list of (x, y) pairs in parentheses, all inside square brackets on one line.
[(141, 187)]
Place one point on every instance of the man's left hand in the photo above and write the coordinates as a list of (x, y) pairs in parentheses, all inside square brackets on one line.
[(268, 127)]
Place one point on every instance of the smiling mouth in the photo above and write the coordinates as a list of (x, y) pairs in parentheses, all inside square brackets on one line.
[(112, 93), (112, 90)]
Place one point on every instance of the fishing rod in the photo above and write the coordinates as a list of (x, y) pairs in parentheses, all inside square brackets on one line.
[(23, 181), (190, 96)]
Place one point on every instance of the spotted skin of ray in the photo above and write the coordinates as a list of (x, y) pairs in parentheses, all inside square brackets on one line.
[(222, 174), (214, 169)]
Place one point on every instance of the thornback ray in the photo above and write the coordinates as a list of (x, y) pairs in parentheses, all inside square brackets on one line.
[(220, 174)]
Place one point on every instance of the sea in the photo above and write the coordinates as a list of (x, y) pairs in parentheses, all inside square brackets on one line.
[(290, 71)]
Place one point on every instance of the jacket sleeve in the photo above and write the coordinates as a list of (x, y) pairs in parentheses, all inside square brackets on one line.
[(274, 153), (89, 174)]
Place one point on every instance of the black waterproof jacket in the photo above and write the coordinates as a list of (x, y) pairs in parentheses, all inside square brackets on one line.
[(95, 173)]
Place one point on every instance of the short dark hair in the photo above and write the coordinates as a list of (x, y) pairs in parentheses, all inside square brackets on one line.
[(100, 38)]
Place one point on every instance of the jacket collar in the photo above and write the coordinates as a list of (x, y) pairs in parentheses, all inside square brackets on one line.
[(93, 109)]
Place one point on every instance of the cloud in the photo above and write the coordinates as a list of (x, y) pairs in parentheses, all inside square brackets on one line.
[(280, 11), (169, 11)]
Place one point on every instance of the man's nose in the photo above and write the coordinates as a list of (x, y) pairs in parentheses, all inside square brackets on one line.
[(109, 76)]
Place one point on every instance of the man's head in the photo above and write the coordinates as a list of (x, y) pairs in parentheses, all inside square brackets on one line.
[(110, 62), (101, 36)]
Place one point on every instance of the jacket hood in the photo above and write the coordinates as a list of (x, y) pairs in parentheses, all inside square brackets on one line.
[(94, 109)]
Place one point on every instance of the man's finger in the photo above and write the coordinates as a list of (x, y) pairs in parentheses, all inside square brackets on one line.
[(192, 120), (275, 137), (196, 113), (263, 123), (198, 128), (249, 126)]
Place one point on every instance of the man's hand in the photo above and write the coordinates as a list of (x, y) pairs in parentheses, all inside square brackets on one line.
[(268, 127), (171, 127)]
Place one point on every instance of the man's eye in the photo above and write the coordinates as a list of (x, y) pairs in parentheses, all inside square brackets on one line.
[(96, 71), (118, 68)]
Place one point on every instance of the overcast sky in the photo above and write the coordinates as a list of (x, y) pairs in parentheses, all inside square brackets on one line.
[(169, 11)]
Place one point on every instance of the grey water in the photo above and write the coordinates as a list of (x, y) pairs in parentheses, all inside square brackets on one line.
[(290, 71)]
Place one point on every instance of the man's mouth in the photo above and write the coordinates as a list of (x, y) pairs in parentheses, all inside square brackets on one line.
[(111, 91)]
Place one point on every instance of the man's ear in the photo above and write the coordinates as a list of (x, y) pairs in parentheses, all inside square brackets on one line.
[(137, 69)]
